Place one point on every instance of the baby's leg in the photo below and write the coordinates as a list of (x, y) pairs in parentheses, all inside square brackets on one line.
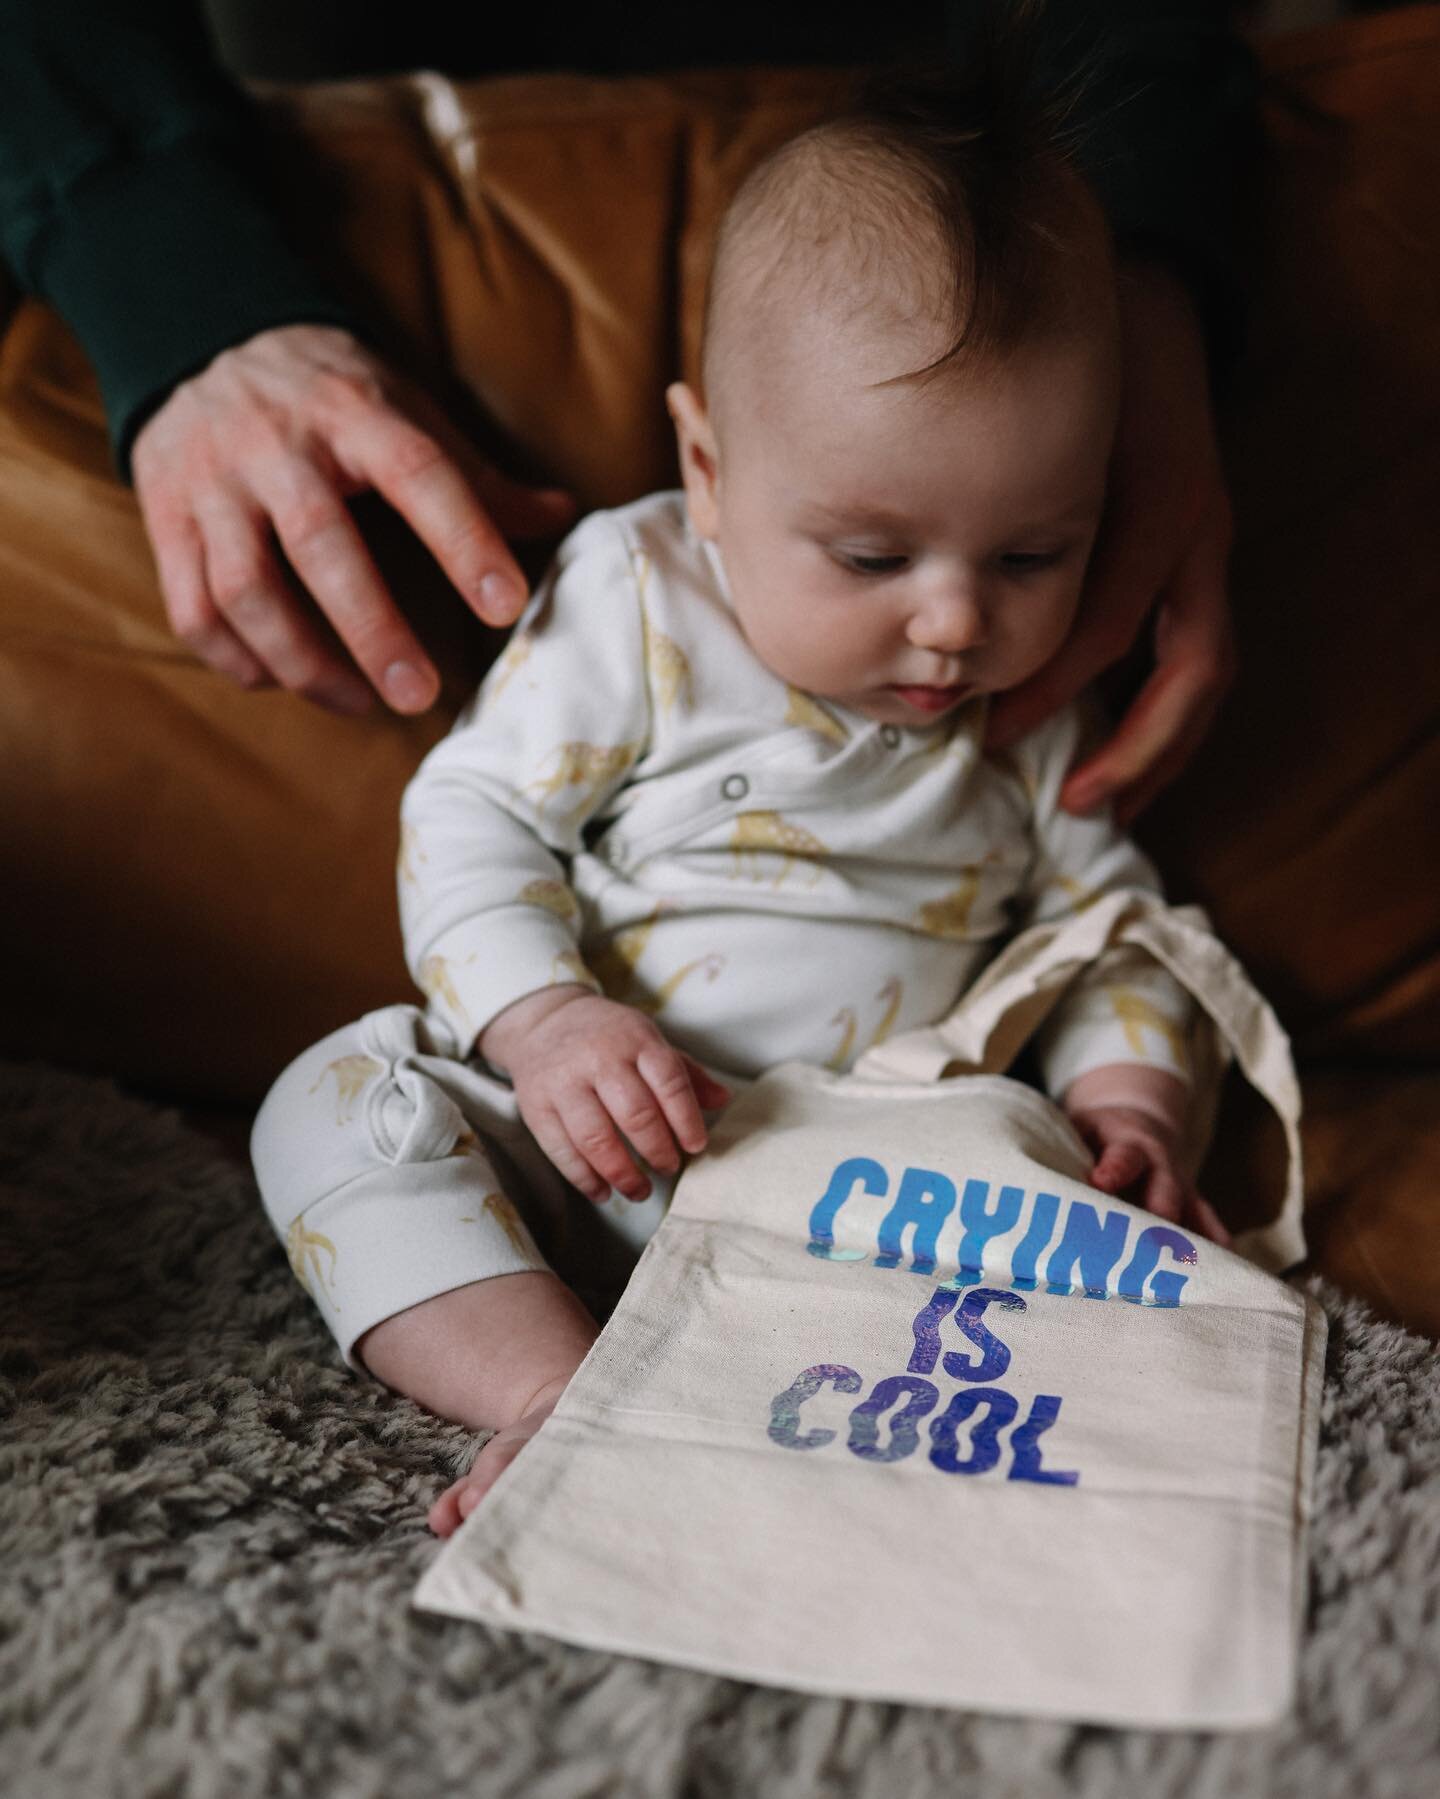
[(370, 1158), (496, 1355)]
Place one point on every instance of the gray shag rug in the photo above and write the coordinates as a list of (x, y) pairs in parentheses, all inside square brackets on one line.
[(211, 1531)]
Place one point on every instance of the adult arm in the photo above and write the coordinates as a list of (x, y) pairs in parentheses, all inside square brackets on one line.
[(1169, 126), (240, 397), (130, 199)]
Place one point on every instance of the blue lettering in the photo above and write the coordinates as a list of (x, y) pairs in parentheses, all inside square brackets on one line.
[(984, 1437), (861, 1170), (994, 1355), (924, 1201), (785, 1407), (904, 1432), (981, 1225), (927, 1331), (1165, 1287), (1096, 1245), (1024, 1442), (1027, 1250)]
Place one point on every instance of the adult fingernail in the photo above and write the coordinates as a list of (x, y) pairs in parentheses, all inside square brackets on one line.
[(407, 688), (500, 594)]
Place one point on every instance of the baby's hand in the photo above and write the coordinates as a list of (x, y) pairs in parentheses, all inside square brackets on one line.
[(1131, 1117), (582, 1066)]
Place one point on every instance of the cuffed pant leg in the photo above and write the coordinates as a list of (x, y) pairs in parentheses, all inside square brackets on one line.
[(375, 1175)]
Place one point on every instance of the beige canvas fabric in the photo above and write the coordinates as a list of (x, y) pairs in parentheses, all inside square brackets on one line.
[(896, 1406)]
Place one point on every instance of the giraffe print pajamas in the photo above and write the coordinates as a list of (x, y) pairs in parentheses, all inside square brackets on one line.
[(634, 802)]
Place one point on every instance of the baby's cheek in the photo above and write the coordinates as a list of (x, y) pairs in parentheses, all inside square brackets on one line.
[(807, 650), (1055, 621)]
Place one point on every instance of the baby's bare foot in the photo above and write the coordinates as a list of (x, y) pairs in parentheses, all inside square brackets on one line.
[(457, 1502)]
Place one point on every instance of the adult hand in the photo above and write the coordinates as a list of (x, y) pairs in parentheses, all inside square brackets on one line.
[(265, 445), (1163, 546)]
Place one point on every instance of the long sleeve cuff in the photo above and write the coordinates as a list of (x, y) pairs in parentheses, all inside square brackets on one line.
[(161, 263), (1126, 1009), (475, 970)]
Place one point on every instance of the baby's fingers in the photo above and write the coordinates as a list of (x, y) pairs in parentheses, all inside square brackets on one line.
[(1120, 1166), (549, 1132), (1124, 1166), (585, 1146), (640, 1112), (668, 1077)]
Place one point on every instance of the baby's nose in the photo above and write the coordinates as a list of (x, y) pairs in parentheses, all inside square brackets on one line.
[(950, 620)]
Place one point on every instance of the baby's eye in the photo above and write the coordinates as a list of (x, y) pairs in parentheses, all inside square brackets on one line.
[(1024, 562), (872, 565)]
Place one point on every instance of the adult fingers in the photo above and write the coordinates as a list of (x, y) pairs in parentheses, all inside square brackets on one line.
[(328, 554), (249, 591), (423, 481), (1166, 723), (180, 565), (1127, 569), (517, 509), (1170, 715)]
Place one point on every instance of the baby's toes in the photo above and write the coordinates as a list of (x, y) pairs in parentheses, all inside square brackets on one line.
[(490, 1464), (445, 1516), (457, 1502)]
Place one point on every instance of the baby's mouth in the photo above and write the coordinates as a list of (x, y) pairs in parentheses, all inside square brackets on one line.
[(931, 699)]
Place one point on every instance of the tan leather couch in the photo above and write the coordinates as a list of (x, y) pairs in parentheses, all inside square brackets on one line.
[(200, 881)]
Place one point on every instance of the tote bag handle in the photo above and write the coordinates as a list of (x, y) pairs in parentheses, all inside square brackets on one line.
[(1020, 988)]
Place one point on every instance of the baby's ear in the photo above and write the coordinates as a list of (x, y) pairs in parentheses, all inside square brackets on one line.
[(699, 457)]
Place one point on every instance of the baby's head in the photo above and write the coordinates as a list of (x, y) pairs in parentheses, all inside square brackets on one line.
[(911, 375)]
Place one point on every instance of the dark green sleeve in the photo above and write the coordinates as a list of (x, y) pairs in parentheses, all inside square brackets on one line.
[(1168, 133), (129, 197)]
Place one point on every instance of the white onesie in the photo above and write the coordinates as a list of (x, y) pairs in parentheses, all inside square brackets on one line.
[(633, 801)]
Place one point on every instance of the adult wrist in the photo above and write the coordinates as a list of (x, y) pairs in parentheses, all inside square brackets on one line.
[(159, 265)]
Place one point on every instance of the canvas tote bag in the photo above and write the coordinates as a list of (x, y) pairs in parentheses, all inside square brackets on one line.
[(896, 1406)]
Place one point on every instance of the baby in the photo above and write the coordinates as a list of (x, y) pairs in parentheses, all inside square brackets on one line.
[(723, 802)]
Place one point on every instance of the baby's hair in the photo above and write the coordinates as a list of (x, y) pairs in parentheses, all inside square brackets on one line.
[(978, 157)]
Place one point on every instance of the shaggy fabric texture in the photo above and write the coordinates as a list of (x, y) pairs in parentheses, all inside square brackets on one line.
[(211, 1531)]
